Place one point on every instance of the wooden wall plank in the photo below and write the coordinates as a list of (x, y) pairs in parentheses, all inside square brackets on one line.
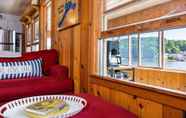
[(149, 109), (85, 38), (163, 78), (169, 112), (76, 59)]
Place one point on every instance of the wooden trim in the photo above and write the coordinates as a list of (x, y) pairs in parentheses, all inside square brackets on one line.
[(156, 24), (156, 12), (71, 26), (163, 96)]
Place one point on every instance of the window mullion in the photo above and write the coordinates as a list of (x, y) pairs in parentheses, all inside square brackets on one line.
[(139, 50), (129, 51), (163, 49), (160, 49)]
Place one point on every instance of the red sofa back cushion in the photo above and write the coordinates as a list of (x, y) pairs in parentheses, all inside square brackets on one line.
[(49, 58)]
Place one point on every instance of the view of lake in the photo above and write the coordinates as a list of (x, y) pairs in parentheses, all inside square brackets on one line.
[(176, 65)]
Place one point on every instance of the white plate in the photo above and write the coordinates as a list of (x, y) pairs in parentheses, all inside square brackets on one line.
[(15, 109)]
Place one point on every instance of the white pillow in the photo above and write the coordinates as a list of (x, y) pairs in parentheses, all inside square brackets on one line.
[(21, 69)]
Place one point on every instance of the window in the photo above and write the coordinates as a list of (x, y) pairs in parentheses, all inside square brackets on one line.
[(28, 49), (119, 56), (36, 30), (134, 49), (113, 55), (32, 35), (29, 35), (149, 47), (124, 50), (175, 49), (117, 51), (49, 16), (35, 47), (147, 50), (48, 22)]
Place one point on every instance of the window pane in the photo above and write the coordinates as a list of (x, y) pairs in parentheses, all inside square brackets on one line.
[(49, 16), (134, 49), (175, 49), (124, 50), (29, 34), (113, 52), (49, 43), (36, 30), (117, 51), (150, 49), (35, 47), (28, 49)]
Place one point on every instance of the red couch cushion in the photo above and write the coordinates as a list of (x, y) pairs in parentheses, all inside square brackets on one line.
[(98, 108), (49, 58), (14, 89)]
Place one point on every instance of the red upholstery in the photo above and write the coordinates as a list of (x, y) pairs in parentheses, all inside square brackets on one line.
[(55, 81), (23, 88), (49, 58), (58, 71), (98, 108)]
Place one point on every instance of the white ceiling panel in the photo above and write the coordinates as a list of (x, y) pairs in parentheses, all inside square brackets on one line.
[(133, 7), (15, 7)]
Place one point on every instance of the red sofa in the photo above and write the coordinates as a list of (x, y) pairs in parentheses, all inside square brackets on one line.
[(54, 81), (98, 108)]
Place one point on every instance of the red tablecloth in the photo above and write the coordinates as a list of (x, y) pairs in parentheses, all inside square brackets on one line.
[(98, 108)]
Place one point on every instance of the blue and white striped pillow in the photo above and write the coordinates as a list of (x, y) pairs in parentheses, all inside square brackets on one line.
[(21, 69)]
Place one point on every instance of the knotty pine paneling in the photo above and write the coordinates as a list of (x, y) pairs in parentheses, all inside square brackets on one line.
[(76, 44), (169, 112), (68, 46), (139, 104), (164, 78), (76, 59)]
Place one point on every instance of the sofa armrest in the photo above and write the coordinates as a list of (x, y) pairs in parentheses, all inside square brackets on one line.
[(58, 71)]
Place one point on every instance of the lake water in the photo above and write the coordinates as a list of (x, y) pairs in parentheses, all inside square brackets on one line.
[(176, 65)]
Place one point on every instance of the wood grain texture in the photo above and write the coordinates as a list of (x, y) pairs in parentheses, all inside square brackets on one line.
[(150, 93), (175, 22), (171, 7), (142, 103), (163, 78), (169, 112), (76, 59)]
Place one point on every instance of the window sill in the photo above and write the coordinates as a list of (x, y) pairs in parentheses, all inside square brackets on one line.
[(151, 88), (151, 68)]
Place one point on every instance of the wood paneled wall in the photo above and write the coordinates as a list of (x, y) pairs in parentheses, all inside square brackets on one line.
[(77, 50), (144, 102), (164, 78), (76, 44)]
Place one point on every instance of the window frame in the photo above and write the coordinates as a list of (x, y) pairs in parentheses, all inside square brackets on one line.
[(47, 33), (140, 52), (164, 47)]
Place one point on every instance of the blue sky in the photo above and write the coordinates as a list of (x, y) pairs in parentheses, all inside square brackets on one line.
[(177, 34)]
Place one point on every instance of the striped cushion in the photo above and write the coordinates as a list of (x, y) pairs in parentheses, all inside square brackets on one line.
[(20, 69)]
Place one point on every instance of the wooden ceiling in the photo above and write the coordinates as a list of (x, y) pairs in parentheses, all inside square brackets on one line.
[(15, 7)]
